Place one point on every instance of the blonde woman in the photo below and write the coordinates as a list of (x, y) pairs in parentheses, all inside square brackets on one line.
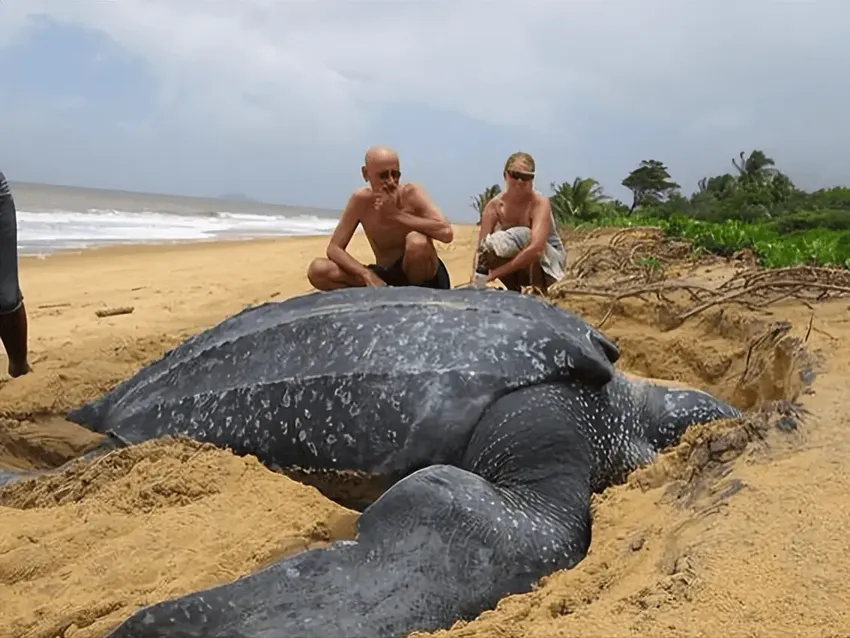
[(518, 242)]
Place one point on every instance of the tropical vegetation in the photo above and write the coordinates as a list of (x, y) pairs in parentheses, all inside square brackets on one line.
[(755, 206)]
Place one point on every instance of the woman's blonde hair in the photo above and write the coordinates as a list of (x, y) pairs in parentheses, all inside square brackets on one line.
[(518, 157)]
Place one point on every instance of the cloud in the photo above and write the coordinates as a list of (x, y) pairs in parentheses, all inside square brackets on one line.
[(592, 86)]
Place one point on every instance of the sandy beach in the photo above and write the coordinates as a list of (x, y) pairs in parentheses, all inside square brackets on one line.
[(741, 530)]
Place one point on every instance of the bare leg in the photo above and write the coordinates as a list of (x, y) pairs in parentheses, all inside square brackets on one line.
[(539, 279), (13, 332), (531, 276), (420, 258), (513, 281), (326, 275), (13, 314)]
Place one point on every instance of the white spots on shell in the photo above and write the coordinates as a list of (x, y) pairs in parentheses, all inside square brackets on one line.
[(352, 388), (560, 358), (335, 371), (343, 395)]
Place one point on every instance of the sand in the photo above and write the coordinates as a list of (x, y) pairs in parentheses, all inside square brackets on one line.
[(741, 530)]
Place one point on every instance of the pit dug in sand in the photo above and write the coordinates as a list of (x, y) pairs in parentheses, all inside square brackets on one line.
[(687, 547)]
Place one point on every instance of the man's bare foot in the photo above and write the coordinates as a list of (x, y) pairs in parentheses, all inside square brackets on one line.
[(18, 369)]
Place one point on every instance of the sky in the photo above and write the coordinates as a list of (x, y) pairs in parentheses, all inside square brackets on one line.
[(280, 99)]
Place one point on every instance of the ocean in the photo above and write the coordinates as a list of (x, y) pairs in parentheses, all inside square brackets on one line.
[(52, 218)]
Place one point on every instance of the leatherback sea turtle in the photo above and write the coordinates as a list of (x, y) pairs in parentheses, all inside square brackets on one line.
[(495, 415)]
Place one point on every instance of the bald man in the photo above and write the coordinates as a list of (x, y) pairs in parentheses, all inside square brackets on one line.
[(401, 224)]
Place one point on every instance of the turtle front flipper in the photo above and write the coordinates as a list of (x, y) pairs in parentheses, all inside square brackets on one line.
[(443, 544)]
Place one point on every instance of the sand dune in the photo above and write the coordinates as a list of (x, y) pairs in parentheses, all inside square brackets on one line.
[(738, 531)]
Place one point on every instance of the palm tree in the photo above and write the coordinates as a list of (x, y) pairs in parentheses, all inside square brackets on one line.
[(719, 185), (756, 167), (480, 201), (579, 200)]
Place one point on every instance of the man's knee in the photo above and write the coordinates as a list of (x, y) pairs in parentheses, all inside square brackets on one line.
[(319, 272), (10, 297), (419, 246)]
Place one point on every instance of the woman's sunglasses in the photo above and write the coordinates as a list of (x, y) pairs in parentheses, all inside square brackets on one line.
[(524, 177)]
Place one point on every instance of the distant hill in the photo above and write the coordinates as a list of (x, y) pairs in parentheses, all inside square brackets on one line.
[(239, 197)]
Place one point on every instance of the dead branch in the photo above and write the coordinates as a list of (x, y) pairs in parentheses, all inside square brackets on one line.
[(635, 230), (591, 253), (665, 286), (781, 297), (618, 295), (757, 287), (805, 274), (797, 284)]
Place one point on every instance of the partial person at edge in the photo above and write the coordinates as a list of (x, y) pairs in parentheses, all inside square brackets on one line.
[(13, 314)]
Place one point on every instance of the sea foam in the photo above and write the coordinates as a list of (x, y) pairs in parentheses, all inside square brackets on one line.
[(43, 232)]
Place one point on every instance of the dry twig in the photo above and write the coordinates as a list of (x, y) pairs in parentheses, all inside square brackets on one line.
[(753, 290), (114, 312)]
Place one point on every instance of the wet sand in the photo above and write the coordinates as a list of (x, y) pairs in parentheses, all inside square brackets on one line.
[(740, 530)]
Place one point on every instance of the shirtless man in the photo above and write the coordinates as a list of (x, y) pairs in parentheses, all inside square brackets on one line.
[(401, 224), (518, 242)]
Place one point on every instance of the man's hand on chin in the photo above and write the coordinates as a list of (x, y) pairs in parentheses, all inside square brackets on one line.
[(388, 202)]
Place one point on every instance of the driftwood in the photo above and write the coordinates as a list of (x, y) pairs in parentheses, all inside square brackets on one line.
[(46, 306), (114, 312)]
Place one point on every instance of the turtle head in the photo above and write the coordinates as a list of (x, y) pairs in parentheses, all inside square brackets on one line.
[(669, 411)]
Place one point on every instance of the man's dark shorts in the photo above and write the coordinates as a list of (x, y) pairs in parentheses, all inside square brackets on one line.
[(394, 275), (10, 291)]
